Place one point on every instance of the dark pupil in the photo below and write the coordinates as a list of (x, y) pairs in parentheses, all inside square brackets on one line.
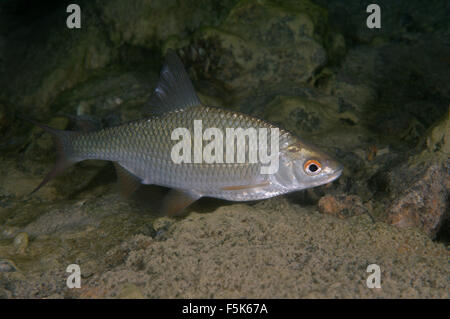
[(313, 167)]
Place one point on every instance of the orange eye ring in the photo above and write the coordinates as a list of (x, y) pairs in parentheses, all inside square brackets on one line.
[(312, 167)]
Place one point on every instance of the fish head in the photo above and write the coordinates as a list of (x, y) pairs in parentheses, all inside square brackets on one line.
[(303, 165)]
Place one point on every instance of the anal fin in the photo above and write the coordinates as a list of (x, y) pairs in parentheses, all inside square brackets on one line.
[(128, 182), (177, 200)]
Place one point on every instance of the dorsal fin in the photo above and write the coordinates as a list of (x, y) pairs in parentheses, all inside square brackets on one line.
[(85, 123), (174, 90)]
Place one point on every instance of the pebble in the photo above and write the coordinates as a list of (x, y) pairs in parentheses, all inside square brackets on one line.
[(21, 242), (423, 203), (7, 265), (342, 206), (8, 231)]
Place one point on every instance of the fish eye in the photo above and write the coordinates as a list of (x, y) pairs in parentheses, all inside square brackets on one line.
[(312, 167)]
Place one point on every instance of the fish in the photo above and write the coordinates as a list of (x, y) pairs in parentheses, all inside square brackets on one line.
[(143, 150)]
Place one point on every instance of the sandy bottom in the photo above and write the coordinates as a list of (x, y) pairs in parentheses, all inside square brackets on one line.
[(271, 249)]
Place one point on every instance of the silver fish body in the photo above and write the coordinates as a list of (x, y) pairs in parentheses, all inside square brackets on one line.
[(142, 150)]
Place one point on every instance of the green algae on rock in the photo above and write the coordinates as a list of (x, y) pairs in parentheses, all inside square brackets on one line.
[(263, 41)]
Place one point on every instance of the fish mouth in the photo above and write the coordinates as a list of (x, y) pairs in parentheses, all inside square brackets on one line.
[(336, 174)]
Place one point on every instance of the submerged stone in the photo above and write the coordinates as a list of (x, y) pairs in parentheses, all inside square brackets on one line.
[(21, 242), (424, 203), (7, 265), (342, 206)]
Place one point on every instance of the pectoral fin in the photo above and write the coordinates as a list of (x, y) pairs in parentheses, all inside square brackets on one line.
[(128, 182), (177, 200)]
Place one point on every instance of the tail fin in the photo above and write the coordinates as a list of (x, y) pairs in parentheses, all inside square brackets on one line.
[(61, 140)]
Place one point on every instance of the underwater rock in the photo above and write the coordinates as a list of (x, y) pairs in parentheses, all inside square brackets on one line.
[(7, 265), (337, 48), (342, 206), (438, 139), (300, 115), (146, 22), (8, 231), (422, 186), (53, 59), (400, 19), (261, 42), (114, 97), (21, 242), (423, 204)]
